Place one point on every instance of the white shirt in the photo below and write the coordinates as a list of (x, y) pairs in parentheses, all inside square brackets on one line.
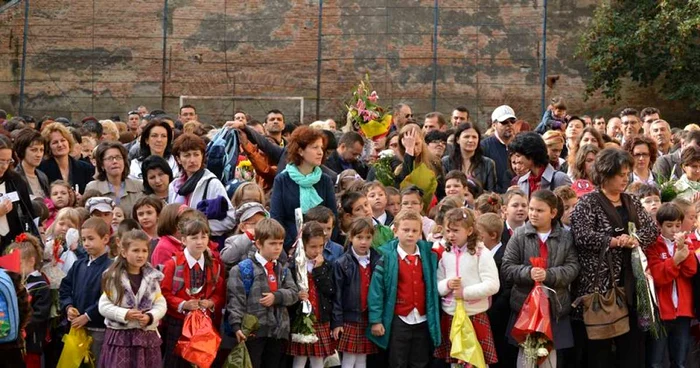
[(310, 263), (191, 261), (496, 248), (649, 181), (382, 218), (263, 261), (362, 260), (671, 247), (414, 317), (544, 236)]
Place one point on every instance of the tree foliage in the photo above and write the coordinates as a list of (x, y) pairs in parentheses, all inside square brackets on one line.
[(645, 41)]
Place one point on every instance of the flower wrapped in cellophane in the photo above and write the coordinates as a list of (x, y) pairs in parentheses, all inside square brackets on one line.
[(365, 113)]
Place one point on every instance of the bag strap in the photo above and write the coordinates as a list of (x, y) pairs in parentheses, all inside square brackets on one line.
[(608, 258), (206, 188)]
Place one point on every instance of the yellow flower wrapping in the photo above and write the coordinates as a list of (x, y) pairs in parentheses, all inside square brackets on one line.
[(76, 349), (374, 128), (465, 345)]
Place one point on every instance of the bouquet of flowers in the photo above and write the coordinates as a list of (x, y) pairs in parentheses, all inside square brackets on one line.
[(382, 168), (303, 330), (365, 113), (648, 314), (245, 171)]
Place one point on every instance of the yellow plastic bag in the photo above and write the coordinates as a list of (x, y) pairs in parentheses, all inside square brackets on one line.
[(465, 345), (76, 349)]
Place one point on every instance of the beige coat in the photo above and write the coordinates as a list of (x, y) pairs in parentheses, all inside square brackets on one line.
[(133, 190)]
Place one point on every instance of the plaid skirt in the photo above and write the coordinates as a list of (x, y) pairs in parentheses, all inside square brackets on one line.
[(325, 346), (354, 339), (482, 327)]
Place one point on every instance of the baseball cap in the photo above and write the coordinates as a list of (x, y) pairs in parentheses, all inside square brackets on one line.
[(248, 210), (502, 113), (102, 204)]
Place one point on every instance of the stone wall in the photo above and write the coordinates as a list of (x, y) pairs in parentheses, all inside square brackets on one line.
[(103, 58)]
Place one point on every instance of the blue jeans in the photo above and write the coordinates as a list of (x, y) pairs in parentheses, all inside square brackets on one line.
[(677, 340)]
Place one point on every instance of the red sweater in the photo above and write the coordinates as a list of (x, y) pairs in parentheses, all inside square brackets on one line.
[(665, 273), (214, 291), (410, 289)]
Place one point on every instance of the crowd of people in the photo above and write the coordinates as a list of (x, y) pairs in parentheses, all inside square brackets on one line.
[(125, 228)]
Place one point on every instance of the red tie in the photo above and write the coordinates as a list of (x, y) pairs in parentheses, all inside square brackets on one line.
[(271, 277), (411, 258), (196, 267), (510, 232)]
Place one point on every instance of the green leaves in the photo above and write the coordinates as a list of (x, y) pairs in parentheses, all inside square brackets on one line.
[(646, 41)]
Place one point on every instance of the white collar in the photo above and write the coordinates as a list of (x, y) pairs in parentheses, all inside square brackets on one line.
[(310, 263), (381, 219), (191, 261), (262, 259), (403, 254), (359, 257), (667, 241), (35, 273), (496, 248), (648, 181)]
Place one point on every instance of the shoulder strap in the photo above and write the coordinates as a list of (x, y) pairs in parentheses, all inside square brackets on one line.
[(206, 188), (178, 277), (246, 270)]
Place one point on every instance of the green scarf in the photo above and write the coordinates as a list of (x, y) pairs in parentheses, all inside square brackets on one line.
[(308, 198)]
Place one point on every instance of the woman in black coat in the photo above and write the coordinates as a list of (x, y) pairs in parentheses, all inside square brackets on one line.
[(16, 211), (60, 165)]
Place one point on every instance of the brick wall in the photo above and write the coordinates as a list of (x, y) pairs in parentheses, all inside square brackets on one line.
[(105, 57)]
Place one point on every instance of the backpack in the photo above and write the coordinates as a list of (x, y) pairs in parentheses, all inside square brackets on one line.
[(245, 268), (179, 278), (222, 154), (9, 309)]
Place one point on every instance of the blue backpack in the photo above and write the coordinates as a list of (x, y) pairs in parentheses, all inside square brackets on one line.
[(245, 268), (9, 309), (222, 154)]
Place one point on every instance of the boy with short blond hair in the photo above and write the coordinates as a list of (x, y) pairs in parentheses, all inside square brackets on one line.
[(403, 301), (275, 292), (568, 198)]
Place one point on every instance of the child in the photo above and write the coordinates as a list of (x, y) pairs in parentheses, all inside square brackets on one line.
[(56, 245), (62, 196), (352, 274), (240, 246), (192, 280), (117, 217), (441, 210), (352, 206), (101, 207), (690, 215), (488, 203), (514, 211), (490, 227), (568, 198), (650, 197), (324, 216), (456, 185), (412, 199), (13, 351), (466, 272), (169, 242), (393, 201), (80, 289), (266, 297), (39, 296), (376, 195), (132, 305), (247, 192), (146, 211), (672, 266), (126, 226), (542, 237), (320, 294), (403, 297)]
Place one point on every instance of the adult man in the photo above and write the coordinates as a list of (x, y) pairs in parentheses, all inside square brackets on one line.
[(133, 122), (459, 115), (669, 166), (399, 114), (257, 126), (143, 111), (599, 124), (434, 121), (347, 156), (495, 146), (648, 116), (187, 113), (587, 120), (660, 131), (631, 125), (274, 125), (614, 128), (332, 125)]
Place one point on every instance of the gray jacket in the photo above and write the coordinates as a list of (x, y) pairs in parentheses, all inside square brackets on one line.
[(551, 179), (562, 266), (669, 166), (274, 320), (236, 248)]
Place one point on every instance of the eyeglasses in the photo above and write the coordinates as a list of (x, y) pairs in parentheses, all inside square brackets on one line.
[(6, 162), (113, 158), (508, 122), (439, 143), (641, 155)]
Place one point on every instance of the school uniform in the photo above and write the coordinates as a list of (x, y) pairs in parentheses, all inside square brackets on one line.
[(41, 302), (185, 278)]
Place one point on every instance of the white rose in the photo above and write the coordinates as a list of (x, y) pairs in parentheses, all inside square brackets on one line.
[(542, 352), (386, 153)]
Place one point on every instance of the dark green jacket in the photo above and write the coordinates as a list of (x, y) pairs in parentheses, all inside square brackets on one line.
[(383, 288)]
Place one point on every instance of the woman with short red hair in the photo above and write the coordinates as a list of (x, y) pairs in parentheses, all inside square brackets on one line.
[(302, 184)]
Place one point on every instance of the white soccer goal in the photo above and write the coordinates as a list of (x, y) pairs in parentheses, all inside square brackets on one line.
[(221, 108)]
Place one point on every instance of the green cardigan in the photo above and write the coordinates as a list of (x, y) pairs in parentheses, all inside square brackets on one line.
[(383, 288)]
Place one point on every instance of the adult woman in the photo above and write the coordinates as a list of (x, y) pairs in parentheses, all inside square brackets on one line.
[(574, 129), (554, 139), (157, 176), (415, 152), (60, 165), (29, 146), (301, 184), (541, 174), (600, 221), (16, 215), (643, 150), (111, 179), (156, 139), (469, 158), (688, 185), (197, 184)]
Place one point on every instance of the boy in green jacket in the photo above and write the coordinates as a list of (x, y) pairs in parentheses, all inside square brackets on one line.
[(403, 299)]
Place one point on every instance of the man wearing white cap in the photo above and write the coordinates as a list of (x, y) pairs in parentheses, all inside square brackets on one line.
[(495, 147)]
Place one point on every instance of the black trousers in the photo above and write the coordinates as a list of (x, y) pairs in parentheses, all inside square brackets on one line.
[(266, 352), (626, 351), (409, 345)]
